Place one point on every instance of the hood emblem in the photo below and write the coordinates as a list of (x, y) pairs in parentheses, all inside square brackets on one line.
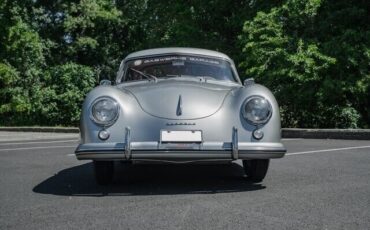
[(179, 123), (179, 107)]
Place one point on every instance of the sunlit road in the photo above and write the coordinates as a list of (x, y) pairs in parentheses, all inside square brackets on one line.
[(320, 184)]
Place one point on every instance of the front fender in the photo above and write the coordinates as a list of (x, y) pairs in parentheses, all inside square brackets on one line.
[(235, 101)]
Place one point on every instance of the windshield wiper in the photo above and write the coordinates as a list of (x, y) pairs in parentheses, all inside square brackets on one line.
[(148, 76)]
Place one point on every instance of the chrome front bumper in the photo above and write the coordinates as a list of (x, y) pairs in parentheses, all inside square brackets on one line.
[(181, 151), (159, 151)]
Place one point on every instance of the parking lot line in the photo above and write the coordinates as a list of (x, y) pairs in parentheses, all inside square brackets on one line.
[(41, 147), (328, 150), (288, 154), (38, 142)]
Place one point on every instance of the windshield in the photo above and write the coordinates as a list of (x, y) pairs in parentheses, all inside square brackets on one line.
[(170, 66)]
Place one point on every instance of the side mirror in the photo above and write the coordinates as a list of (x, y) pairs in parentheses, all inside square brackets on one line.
[(105, 82), (248, 81)]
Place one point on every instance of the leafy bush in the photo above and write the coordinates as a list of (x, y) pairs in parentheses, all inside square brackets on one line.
[(68, 85)]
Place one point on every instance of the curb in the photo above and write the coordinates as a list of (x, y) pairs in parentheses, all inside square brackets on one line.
[(348, 134)]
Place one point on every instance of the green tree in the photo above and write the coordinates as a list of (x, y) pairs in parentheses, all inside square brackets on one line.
[(204, 24), (20, 73), (35, 94), (287, 49), (313, 54)]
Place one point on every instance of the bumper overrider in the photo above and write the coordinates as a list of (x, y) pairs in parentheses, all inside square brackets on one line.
[(162, 151)]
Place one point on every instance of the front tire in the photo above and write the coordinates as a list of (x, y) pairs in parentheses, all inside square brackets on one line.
[(256, 169), (104, 171)]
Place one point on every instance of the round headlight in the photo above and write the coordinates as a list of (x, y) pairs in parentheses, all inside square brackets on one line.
[(104, 111), (257, 110)]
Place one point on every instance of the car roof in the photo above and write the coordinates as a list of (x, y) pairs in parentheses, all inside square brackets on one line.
[(177, 50)]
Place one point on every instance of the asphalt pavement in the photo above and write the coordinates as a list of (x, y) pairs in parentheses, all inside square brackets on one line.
[(320, 184)]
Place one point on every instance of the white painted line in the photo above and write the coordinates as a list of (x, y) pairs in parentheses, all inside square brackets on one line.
[(288, 154), (43, 147), (7, 140), (71, 154), (38, 142), (328, 150)]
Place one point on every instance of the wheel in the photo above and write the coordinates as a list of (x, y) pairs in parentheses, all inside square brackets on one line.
[(256, 169), (104, 171)]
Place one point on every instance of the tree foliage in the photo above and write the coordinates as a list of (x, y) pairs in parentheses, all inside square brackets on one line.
[(313, 54)]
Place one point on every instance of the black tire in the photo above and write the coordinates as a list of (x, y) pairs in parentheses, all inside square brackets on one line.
[(104, 171), (256, 169)]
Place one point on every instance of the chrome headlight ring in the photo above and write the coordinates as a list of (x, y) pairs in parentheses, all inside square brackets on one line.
[(256, 110), (104, 111)]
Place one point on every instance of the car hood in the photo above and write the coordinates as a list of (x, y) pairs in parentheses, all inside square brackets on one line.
[(180, 100)]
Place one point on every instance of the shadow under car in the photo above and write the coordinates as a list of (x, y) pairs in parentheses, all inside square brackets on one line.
[(149, 179)]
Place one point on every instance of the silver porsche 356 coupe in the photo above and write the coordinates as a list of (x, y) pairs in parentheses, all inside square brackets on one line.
[(179, 105)]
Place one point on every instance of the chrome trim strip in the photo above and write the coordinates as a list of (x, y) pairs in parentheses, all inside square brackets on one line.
[(183, 161), (235, 143), (155, 146), (179, 156), (128, 143)]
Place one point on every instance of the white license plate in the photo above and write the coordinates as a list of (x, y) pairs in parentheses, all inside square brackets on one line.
[(181, 136)]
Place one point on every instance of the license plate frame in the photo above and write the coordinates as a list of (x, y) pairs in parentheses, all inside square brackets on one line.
[(181, 136)]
